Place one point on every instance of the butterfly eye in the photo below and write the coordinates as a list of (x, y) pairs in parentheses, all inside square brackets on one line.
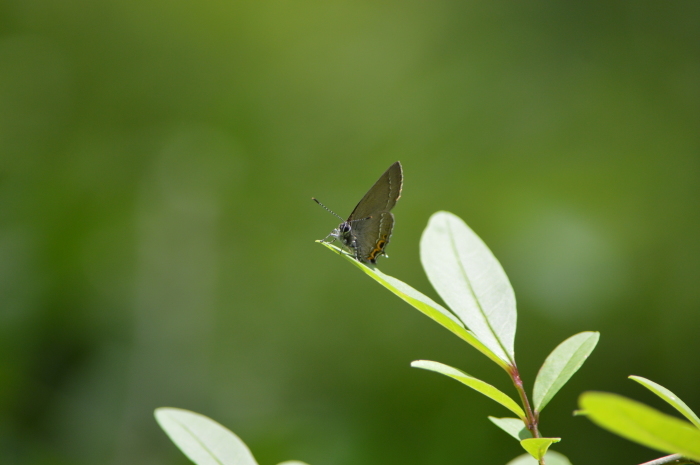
[(345, 227)]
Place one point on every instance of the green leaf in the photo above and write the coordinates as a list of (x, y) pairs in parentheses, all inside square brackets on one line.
[(202, 439), (474, 383), (551, 457), (471, 281), (513, 426), (537, 447), (560, 365), (642, 424), (422, 303), (292, 462), (669, 397)]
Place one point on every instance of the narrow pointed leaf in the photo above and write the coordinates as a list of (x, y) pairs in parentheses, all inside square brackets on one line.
[(560, 365), (471, 281), (422, 303), (203, 440), (551, 458), (513, 426), (474, 383), (537, 447), (669, 397), (642, 424)]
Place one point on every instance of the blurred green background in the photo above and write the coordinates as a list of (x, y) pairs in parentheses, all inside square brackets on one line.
[(157, 163)]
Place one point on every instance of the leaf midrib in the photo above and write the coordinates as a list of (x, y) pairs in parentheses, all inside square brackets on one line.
[(198, 441), (465, 277)]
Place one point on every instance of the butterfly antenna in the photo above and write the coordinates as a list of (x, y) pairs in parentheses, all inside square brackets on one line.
[(316, 200)]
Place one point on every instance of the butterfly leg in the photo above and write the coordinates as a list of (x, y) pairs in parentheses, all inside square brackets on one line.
[(355, 248)]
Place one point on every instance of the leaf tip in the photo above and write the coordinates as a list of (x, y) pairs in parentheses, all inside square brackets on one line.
[(420, 363), (161, 411)]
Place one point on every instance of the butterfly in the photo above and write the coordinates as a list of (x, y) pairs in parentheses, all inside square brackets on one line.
[(367, 230)]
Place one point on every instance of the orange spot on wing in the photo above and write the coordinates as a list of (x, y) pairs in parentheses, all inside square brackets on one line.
[(381, 243)]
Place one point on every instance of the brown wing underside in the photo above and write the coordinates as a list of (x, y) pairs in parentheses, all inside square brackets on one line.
[(373, 235), (382, 196)]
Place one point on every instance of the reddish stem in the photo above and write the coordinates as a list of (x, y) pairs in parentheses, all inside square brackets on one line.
[(532, 418)]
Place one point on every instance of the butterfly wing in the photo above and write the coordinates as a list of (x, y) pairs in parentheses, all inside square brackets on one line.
[(381, 197), (372, 236)]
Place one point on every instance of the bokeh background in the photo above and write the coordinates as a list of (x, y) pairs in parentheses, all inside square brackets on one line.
[(157, 163)]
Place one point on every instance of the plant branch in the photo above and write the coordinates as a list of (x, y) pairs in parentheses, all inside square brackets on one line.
[(675, 459), (532, 418)]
